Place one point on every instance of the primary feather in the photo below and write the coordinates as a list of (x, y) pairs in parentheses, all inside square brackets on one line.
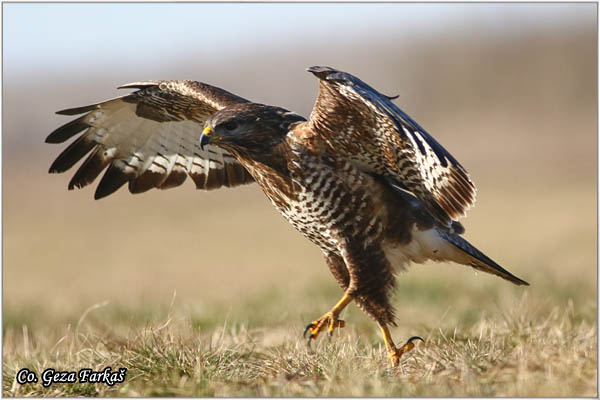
[(367, 127), (149, 139)]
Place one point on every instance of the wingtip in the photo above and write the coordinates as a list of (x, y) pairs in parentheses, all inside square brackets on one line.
[(335, 75), (78, 110), (69, 111), (103, 191), (319, 68), (521, 282), (139, 85), (321, 72)]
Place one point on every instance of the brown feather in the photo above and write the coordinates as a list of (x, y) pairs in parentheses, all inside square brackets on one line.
[(236, 175), (64, 132), (75, 152), (214, 179), (199, 180), (149, 179), (79, 110), (90, 169), (175, 178), (365, 126), (119, 126), (112, 180)]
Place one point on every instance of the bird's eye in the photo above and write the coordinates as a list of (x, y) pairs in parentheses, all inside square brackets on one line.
[(230, 126)]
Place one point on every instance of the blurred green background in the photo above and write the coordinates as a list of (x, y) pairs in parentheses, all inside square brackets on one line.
[(509, 89)]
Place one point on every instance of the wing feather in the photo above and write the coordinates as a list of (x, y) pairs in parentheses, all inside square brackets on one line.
[(149, 139), (365, 126), (68, 130), (91, 167), (112, 180), (73, 153)]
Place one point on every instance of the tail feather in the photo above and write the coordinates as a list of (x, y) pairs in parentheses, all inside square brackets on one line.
[(479, 260)]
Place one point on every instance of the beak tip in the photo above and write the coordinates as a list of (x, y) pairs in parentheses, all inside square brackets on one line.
[(204, 140)]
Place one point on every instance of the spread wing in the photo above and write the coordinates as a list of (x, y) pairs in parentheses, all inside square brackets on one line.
[(365, 126), (149, 139)]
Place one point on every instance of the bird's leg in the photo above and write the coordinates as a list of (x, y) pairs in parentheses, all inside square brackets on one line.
[(395, 353), (329, 320)]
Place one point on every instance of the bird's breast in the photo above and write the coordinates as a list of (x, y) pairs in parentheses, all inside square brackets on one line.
[(332, 202)]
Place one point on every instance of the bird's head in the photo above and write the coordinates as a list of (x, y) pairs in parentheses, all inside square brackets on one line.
[(248, 127)]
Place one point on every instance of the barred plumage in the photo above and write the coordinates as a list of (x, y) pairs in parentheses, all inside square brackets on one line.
[(149, 139), (366, 126), (342, 178)]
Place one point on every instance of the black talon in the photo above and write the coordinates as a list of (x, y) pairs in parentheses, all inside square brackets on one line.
[(306, 330), (415, 338)]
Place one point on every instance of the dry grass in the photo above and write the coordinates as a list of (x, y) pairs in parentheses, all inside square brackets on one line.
[(525, 350)]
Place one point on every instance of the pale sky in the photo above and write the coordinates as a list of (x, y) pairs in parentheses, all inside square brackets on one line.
[(56, 36)]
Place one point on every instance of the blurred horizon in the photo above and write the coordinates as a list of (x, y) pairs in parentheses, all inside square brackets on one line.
[(69, 59), (499, 21), (509, 89)]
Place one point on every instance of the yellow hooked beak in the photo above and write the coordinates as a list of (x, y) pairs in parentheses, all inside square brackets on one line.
[(206, 136), (207, 130)]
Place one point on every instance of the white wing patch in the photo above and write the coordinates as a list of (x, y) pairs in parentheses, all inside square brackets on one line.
[(432, 171), (145, 152), (365, 126)]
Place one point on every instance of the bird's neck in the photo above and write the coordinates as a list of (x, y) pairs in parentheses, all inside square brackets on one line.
[(306, 138), (271, 160)]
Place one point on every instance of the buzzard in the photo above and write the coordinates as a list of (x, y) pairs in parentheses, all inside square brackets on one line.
[(360, 178)]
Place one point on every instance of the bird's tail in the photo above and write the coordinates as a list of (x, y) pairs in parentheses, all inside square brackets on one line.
[(478, 260)]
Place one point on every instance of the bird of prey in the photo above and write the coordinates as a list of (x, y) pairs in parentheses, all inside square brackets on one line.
[(360, 178)]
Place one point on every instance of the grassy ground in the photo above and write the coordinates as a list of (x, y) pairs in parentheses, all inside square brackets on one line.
[(508, 345), (246, 285)]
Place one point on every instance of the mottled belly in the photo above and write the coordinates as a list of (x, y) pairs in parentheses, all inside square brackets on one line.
[(330, 203), (313, 226)]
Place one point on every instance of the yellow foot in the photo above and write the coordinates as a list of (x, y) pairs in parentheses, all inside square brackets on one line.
[(394, 354), (328, 320)]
